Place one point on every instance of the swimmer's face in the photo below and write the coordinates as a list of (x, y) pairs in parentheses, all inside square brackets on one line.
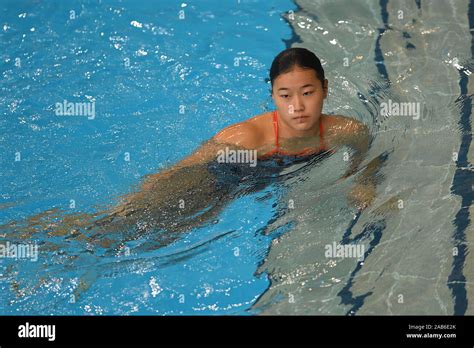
[(297, 93)]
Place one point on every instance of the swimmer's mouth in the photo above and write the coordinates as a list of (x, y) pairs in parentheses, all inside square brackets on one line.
[(300, 117)]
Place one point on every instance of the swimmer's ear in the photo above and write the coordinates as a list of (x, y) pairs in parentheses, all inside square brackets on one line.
[(325, 88)]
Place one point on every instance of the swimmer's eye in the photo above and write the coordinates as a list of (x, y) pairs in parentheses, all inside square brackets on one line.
[(305, 93)]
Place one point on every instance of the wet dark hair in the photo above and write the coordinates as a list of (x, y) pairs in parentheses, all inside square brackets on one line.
[(286, 60)]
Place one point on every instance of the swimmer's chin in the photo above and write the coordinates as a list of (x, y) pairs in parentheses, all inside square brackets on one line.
[(302, 126)]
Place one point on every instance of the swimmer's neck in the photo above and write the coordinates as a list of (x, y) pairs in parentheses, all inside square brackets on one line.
[(286, 132)]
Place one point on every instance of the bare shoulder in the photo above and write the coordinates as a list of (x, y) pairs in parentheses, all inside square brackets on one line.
[(343, 125), (344, 130), (247, 134)]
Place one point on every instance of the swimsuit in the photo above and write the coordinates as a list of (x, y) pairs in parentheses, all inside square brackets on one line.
[(304, 152), (269, 165)]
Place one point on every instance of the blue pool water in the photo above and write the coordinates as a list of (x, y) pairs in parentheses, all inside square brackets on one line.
[(164, 81), (139, 62)]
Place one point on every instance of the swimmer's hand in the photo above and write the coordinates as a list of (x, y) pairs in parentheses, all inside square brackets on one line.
[(362, 195)]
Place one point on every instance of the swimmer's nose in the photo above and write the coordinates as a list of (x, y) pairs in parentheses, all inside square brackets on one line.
[(297, 104)]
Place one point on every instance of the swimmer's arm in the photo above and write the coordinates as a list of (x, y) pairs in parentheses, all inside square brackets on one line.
[(205, 153), (150, 181), (360, 142), (355, 135), (240, 135)]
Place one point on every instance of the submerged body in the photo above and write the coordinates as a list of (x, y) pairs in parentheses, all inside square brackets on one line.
[(295, 131), (195, 190)]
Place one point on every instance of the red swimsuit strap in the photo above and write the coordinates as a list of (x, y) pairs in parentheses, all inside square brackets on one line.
[(275, 127)]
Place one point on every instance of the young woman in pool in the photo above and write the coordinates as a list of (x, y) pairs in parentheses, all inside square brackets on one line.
[(186, 195), (296, 128)]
